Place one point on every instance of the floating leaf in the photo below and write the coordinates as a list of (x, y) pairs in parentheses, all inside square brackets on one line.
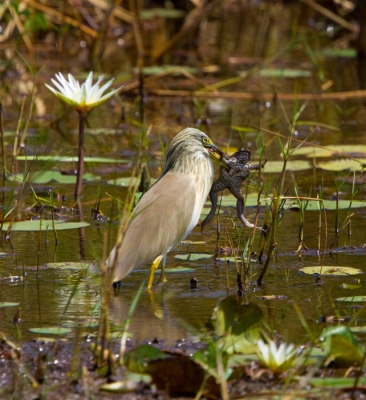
[(329, 270), (73, 159), (125, 386), (193, 256), (342, 165), (2, 254), (70, 265), (230, 259), (337, 382), (127, 181), (350, 286), (6, 304), (332, 150), (291, 165), (352, 299), (87, 323), (272, 297), (51, 330), (358, 329), (158, 69), (178, 270), (281, 73), (161, 12), (44, 225), (338, 52), (44, 177), (313, 205), (191, 242)]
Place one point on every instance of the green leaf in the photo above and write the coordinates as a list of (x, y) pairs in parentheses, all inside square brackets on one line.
[(193, 256), (338, 52), (358, 329), (291, 165), (341, 346), (350, 286), (352, 299), (178, 270), (231, 316), (337, 382), (83, 266), (152, 13), (342, 165), (44, 225), (72, 159), (330, 270), (51, 330), (2, 254), (44, 177), (6, 304), (313, 205), (137, 360)]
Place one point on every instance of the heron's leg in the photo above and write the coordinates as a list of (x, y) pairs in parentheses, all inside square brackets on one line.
[(153, 268), (162, 278)]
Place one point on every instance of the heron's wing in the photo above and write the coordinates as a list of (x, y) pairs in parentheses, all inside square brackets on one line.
[(159, 222)]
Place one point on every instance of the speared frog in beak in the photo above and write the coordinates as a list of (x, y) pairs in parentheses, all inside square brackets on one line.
[(233, 172)]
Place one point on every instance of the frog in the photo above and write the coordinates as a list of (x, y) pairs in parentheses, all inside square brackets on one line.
[(233, 172)]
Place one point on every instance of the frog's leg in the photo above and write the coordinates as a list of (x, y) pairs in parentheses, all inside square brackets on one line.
[(211, 214), (236, 191)]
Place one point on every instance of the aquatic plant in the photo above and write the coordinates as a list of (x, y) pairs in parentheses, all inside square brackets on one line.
[(82, 98), (277, 359)]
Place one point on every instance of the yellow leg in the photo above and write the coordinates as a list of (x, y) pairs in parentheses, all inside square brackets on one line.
[(162, 278), (153, 268)]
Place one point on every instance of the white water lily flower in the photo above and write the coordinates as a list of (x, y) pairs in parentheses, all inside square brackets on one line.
[(81, 97), (277, 359)]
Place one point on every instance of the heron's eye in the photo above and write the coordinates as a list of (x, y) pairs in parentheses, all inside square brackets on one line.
[(206, 140)]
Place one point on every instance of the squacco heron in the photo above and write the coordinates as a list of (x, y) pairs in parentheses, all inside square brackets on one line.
[(170, 209)]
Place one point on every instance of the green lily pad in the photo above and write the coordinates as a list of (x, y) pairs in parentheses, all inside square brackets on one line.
[(193, 256), (72, 159), (342, 165), (313, 205), (358, 329), (331, 150), (87, 323), (6, 304), (337, 52), (2, 254), (251, 200), (69, 265), (51, 330), (161, 13), (44, 225), (44, 177), (330, 270), (231, 259), (291, 165), (127, 181), (158, 69), (352, 299), (336, 383), (282, 73), (178, 269), (350, 286)]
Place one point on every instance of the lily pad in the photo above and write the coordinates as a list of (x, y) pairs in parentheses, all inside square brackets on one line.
[(342, 165), (178, 269), (313, 205), (358, 329), (51, 330), (330, 270), (281, 73), (44, 225), (193, 256), (69, 265), (86, 323), (2, 254), (291, 165), (6, 304), (127, 181), (73, 159), (337, 382), (44, 177), (338, 52), (352, 299)]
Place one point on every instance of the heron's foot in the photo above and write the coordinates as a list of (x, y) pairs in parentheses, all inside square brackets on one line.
[(116, 287)]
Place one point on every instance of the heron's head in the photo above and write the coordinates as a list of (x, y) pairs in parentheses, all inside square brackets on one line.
[(188, 149)]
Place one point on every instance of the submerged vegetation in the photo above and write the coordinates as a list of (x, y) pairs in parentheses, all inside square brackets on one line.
[(284, 80)]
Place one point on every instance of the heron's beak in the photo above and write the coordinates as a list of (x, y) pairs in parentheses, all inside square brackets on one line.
[(215, 153)]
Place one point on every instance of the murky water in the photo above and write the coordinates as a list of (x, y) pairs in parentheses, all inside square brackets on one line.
[(53, 297)]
